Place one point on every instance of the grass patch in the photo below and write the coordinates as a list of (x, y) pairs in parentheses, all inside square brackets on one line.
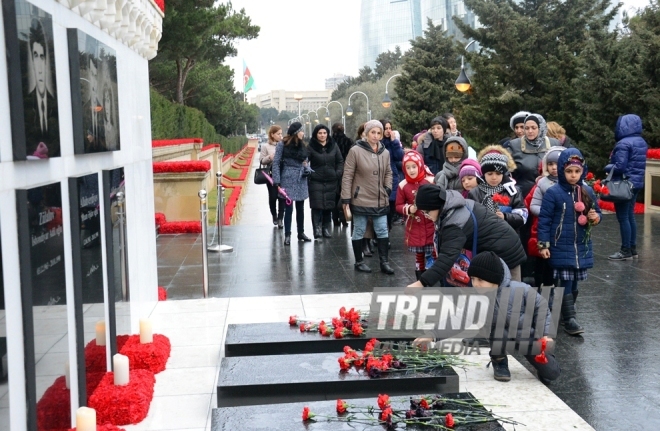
[(234, 173)]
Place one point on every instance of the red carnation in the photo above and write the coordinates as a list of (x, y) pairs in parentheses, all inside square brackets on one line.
[(293, 320), (357, 330), (383, 401), (386, 415), (541, 358), (424, 404), (339, 332), (605, 190), (342, 311), (589, 176), (307, 415), (501, 199), (302, 327), (341, 406), (449, 420), (343, 363)]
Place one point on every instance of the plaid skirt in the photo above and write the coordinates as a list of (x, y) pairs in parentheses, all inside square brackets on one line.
[(427, 249), (570, 274)]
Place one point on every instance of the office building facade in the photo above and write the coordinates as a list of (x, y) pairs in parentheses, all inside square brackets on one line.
[(286, 100), (386, 24)]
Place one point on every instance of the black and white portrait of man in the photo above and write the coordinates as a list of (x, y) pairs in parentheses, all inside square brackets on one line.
[(39, 89)]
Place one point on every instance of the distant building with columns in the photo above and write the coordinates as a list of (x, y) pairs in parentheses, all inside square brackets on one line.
[(286, 100)]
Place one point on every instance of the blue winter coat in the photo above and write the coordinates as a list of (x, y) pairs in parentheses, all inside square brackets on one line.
[(629, 155), (396, 157), (558, 221), (288, 171)]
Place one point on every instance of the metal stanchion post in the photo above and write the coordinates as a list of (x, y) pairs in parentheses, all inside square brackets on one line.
[(122, 245), (220, 212), (205, 258)]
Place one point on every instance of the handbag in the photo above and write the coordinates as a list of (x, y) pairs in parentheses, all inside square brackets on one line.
[(259, 178), (620, 190), (457, 275)]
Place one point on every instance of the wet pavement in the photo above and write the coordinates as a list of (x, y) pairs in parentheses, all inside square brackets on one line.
[(610, 376)]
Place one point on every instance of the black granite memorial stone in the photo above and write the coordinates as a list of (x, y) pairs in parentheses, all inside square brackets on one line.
[(276, 417), (251, 380), (116, 256), (256, 339), (87, 259), (43, 289)]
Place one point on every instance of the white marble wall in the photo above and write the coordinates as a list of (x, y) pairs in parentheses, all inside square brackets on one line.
[(135, 157)]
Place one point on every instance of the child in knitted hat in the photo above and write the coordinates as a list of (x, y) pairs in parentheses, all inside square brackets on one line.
[(498, 192), (470, 175), (455, 151), (420, 231)]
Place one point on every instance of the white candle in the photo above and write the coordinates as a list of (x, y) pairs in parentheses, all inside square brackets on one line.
[(100, 333), (85, 419), (66, 374), (120, 366), (146, 334)]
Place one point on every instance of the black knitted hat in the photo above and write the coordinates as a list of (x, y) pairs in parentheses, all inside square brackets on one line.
[(294, 128), (488, 267), (430, 197)]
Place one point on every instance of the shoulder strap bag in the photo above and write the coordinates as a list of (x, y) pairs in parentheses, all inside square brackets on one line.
[(620, 190)]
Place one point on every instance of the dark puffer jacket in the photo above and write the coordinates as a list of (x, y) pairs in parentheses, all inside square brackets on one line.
[(432, 150), (558, 221), (454, 229), (528, 161), (396, 156), (328, 165), (629, 155)]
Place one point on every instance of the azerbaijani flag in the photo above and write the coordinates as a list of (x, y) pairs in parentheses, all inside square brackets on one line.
[(248, 81)]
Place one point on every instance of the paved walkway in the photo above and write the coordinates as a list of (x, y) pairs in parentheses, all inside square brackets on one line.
[(610, 377)]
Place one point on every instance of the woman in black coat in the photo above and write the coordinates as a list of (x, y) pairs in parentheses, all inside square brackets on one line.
[(328, 166)]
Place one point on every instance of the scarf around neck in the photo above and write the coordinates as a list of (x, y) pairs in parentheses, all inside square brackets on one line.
[(490, 191)]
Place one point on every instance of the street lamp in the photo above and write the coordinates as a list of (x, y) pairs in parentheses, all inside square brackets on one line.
[(349, 110), (463, 83), (343, 119), (298, 97), (310, 121), (327, 114), (387, 102)]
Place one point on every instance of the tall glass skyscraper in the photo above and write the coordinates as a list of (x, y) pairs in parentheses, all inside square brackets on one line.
[(388, 23)]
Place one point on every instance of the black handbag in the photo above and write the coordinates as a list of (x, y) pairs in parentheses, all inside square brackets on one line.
[(259, 177), (619, 190)]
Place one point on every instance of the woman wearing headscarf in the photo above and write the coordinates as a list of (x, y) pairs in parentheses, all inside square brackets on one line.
[(528, 151), (433, 145), (517, 124), (327, 165), (366, 187), (290, 172)]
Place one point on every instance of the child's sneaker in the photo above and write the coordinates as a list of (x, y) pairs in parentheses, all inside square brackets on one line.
[(633, 251), (500, 368)]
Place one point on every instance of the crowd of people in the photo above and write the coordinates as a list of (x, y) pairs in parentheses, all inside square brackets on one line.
[(521, 209)]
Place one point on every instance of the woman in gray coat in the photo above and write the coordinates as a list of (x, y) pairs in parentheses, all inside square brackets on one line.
[(290, 172)]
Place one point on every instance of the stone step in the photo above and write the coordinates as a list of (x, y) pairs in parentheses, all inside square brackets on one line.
[(252, 380), (256, 339), (288, 416)]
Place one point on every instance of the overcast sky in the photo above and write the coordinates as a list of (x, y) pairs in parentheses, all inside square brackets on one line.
[(303, 42)]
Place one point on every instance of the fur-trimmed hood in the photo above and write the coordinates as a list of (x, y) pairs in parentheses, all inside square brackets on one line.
[(544, 163), (510, 164), (521, 114)]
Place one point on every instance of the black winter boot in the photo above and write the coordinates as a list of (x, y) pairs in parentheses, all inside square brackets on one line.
[(568, 313), (366, 247), (357, 252), (383, 255), (500, 368), (326, 230), (316, 223)]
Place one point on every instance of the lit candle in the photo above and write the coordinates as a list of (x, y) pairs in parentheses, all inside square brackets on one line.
[(146, 335), (85, 419), (120, 367), (100, 333), (66, 374)]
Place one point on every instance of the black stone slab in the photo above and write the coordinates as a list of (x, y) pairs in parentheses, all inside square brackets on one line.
[(251, 380), (289, 416), (257, 339)]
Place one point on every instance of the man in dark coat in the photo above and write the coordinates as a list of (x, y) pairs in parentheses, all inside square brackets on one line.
[(327, 167), (452, 215)]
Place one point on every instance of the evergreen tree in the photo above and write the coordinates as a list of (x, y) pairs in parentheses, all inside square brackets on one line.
[(426, 87)]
